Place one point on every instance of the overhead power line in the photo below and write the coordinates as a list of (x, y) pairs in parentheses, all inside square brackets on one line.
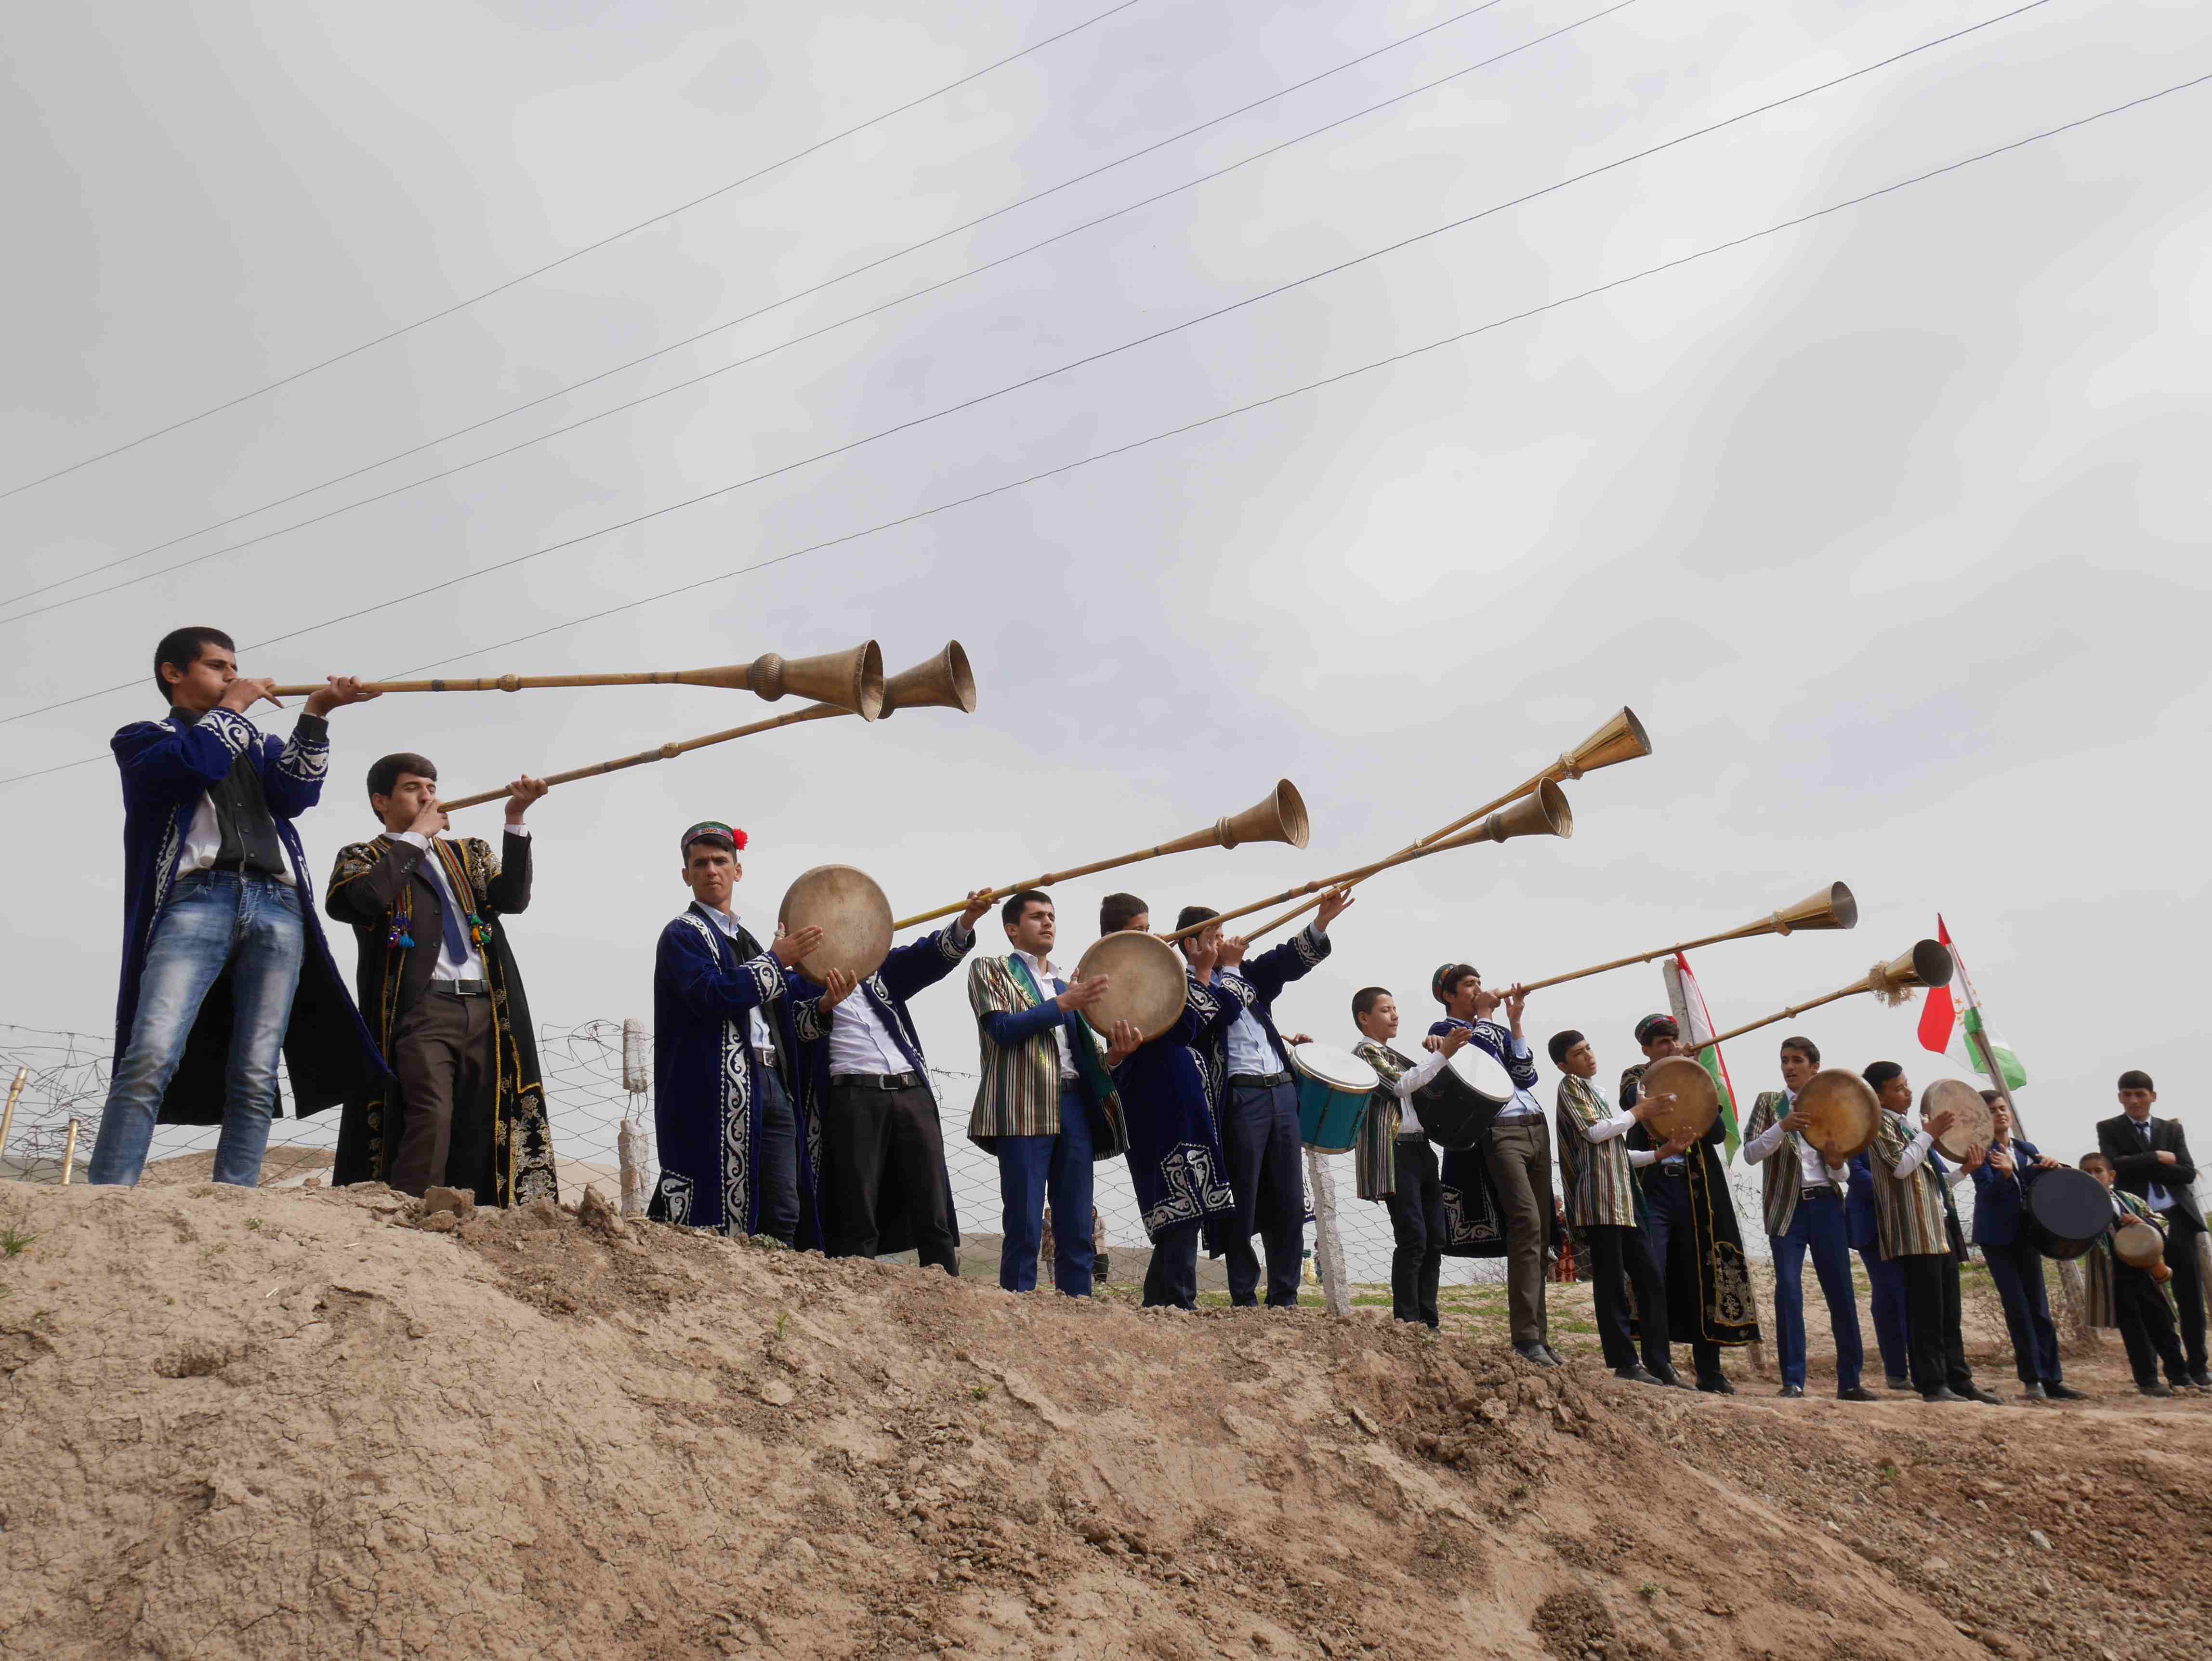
[(573, 254), (1459, 223), (792, 299)]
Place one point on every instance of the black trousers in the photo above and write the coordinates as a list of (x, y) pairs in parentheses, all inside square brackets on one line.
[(1936, 1347), (2016, 1269), (1416, 1205), (879, 1144), (441, 1053), (1171, 1278), (1671, 1241), (2188, 1286), (1618, 1262), (1267, 1173), (2146, 1326)]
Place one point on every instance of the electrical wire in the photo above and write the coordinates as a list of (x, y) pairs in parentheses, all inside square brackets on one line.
[(1273, 399), (573, 254)]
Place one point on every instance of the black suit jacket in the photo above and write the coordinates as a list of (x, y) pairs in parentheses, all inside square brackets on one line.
[(366, 900), (2135, 1168)]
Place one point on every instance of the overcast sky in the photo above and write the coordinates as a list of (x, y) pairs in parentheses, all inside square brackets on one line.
[(1891, 528)]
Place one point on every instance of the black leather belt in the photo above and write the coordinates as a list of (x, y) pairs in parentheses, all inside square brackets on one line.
[(1819, 1191), (1257, 1081), (457, 989), (877, 1080)]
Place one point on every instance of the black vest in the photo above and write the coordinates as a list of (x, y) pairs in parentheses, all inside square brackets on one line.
[(249, 831)]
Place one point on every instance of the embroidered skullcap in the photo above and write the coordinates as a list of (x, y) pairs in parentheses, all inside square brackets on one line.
[(1446, 980), (1656, 1026), (714, 834)]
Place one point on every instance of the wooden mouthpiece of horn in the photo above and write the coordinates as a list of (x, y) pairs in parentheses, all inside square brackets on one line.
[(945, 682)]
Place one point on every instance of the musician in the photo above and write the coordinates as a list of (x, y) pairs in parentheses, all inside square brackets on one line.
[(1394, 1162), (224, 963), (1909, 1180), (2123, 1296), (2001, 1183), (2150, 1160), (1691, 1228), (1046, 1108), (884, 1185), (1804, 1207), (1171, 1089), (1515, 1151), (1885, 1277), (436, 973), (732, 1103), (1595, 1164), (1260, 1120)]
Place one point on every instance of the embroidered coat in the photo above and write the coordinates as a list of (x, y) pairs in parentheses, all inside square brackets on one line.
[(1170, 1090), (1018, 1089), (2099, 1263), (1781, 1175), (707, 1108), (1908, 1212), (907, 970), (1375, 1155), (384, 890), (168, 766), (1270, 972), (1474, 1213), (1596, 1178), (1709, 1296)]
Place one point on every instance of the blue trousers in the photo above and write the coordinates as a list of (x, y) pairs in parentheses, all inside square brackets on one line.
[(215, 920), (1259, 1137), (1818, 1228), (777, 1160), (1031, 1170), (2017, 1270), (1171, 1281), (1890, 1329), (1671, 1237)]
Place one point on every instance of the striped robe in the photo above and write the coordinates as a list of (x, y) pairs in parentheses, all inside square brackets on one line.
[(1909, 1214), (1375, 1155), (1596, 1178), (1017, 1092)]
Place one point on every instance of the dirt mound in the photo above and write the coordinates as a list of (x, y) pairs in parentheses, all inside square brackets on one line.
[(258, 1423)]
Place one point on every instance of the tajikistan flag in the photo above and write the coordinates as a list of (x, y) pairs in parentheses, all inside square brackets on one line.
[(1688, 1005), (1947, 1024)]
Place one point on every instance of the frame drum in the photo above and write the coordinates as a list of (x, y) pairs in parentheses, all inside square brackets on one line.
[(1457, 1106), (1697, 1101), (1334, 1087), (1974, 1129), (2068, 1212), (1840, 1114), (2137, 1244), (1149, 983), (844, 902)]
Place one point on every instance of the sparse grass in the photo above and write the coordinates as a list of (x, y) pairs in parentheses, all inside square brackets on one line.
[(781, 1319), (1650, 1589), (14, 1241), (980, 1392), (253, 1222)]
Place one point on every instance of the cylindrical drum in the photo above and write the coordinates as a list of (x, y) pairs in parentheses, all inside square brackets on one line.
[(844, 902), (1334, 1088), (1457, 1106), (2068, 1212)]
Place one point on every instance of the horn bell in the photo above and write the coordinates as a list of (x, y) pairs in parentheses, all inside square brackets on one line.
[(1832, 907), (945, 682), (1281, 817), (851, 680), (1928, 963), (1542, 812), (1622, 739)]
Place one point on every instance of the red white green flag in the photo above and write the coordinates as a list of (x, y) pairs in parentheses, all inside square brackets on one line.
[(1952, 1016), (1696, 1026)]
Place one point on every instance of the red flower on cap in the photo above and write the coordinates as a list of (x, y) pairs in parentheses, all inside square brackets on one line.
[(738, 838)]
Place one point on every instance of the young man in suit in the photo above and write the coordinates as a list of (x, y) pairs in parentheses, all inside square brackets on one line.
[(1260, 1117), (437, 976), (2150, 1160), (2008, 1244), (1804, 1207)]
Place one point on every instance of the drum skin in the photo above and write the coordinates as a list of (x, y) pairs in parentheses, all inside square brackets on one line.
[(844, 902), (2068, 1212), (1147, 983), (1838, 1113), (1974, 1130), (1697, 1101), (2137, 1244), (1456, 1108)]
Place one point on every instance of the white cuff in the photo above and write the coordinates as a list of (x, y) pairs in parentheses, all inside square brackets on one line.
[(1640, 1157), (413, 839), (522, 831)]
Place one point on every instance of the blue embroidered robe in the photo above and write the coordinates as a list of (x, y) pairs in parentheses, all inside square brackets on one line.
[(1170, 1091), (906, 971), (1474, 1214), (706, 1111), (167, 767), (1270, 972)]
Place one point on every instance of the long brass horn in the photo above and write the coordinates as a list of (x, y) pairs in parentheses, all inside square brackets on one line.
[(1280, 816), (1928, 963), (944, 681), (1832, 907), (1545, 814), (853, 680)]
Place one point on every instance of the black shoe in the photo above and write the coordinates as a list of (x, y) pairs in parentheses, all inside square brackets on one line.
[(2160, 1391), (1856, 1393), (1535, 1354), (1791, 1392), (2034, 1393), (1986, 1398), (2203, 1380), (1941, 1393), (1670, 1378), (1637, 1375), (2064, 1393), (1556, 1361), (1717, 1386), (1899, 1383)]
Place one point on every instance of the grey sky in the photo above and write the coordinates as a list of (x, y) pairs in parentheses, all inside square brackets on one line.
[(1891, 528)]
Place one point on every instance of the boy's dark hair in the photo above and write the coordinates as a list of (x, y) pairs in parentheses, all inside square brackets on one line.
[(1117, 911), (1561, 1043), (1993, 1098), (1878, 1074), (1364, 999), (1191, 913), (1444, 985), (1017, 902), (182, 648), (2135, 1079), (2093, 1157), (384, 777), (1807, 1049)]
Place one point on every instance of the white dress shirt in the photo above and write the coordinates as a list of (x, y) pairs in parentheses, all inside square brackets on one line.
[(1813, 1169), (1616, 1122), (757, 1028), (859, 1043), (1431, 1064), (2156, 1197), (469, 966), (1044, 974), (1524, 1104)]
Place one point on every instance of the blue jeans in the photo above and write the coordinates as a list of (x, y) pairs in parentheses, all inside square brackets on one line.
[(1890, 1328), (1819, 1228), (215, 920), (1267, 1174), (1031, 1170), (2017, 1270)]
